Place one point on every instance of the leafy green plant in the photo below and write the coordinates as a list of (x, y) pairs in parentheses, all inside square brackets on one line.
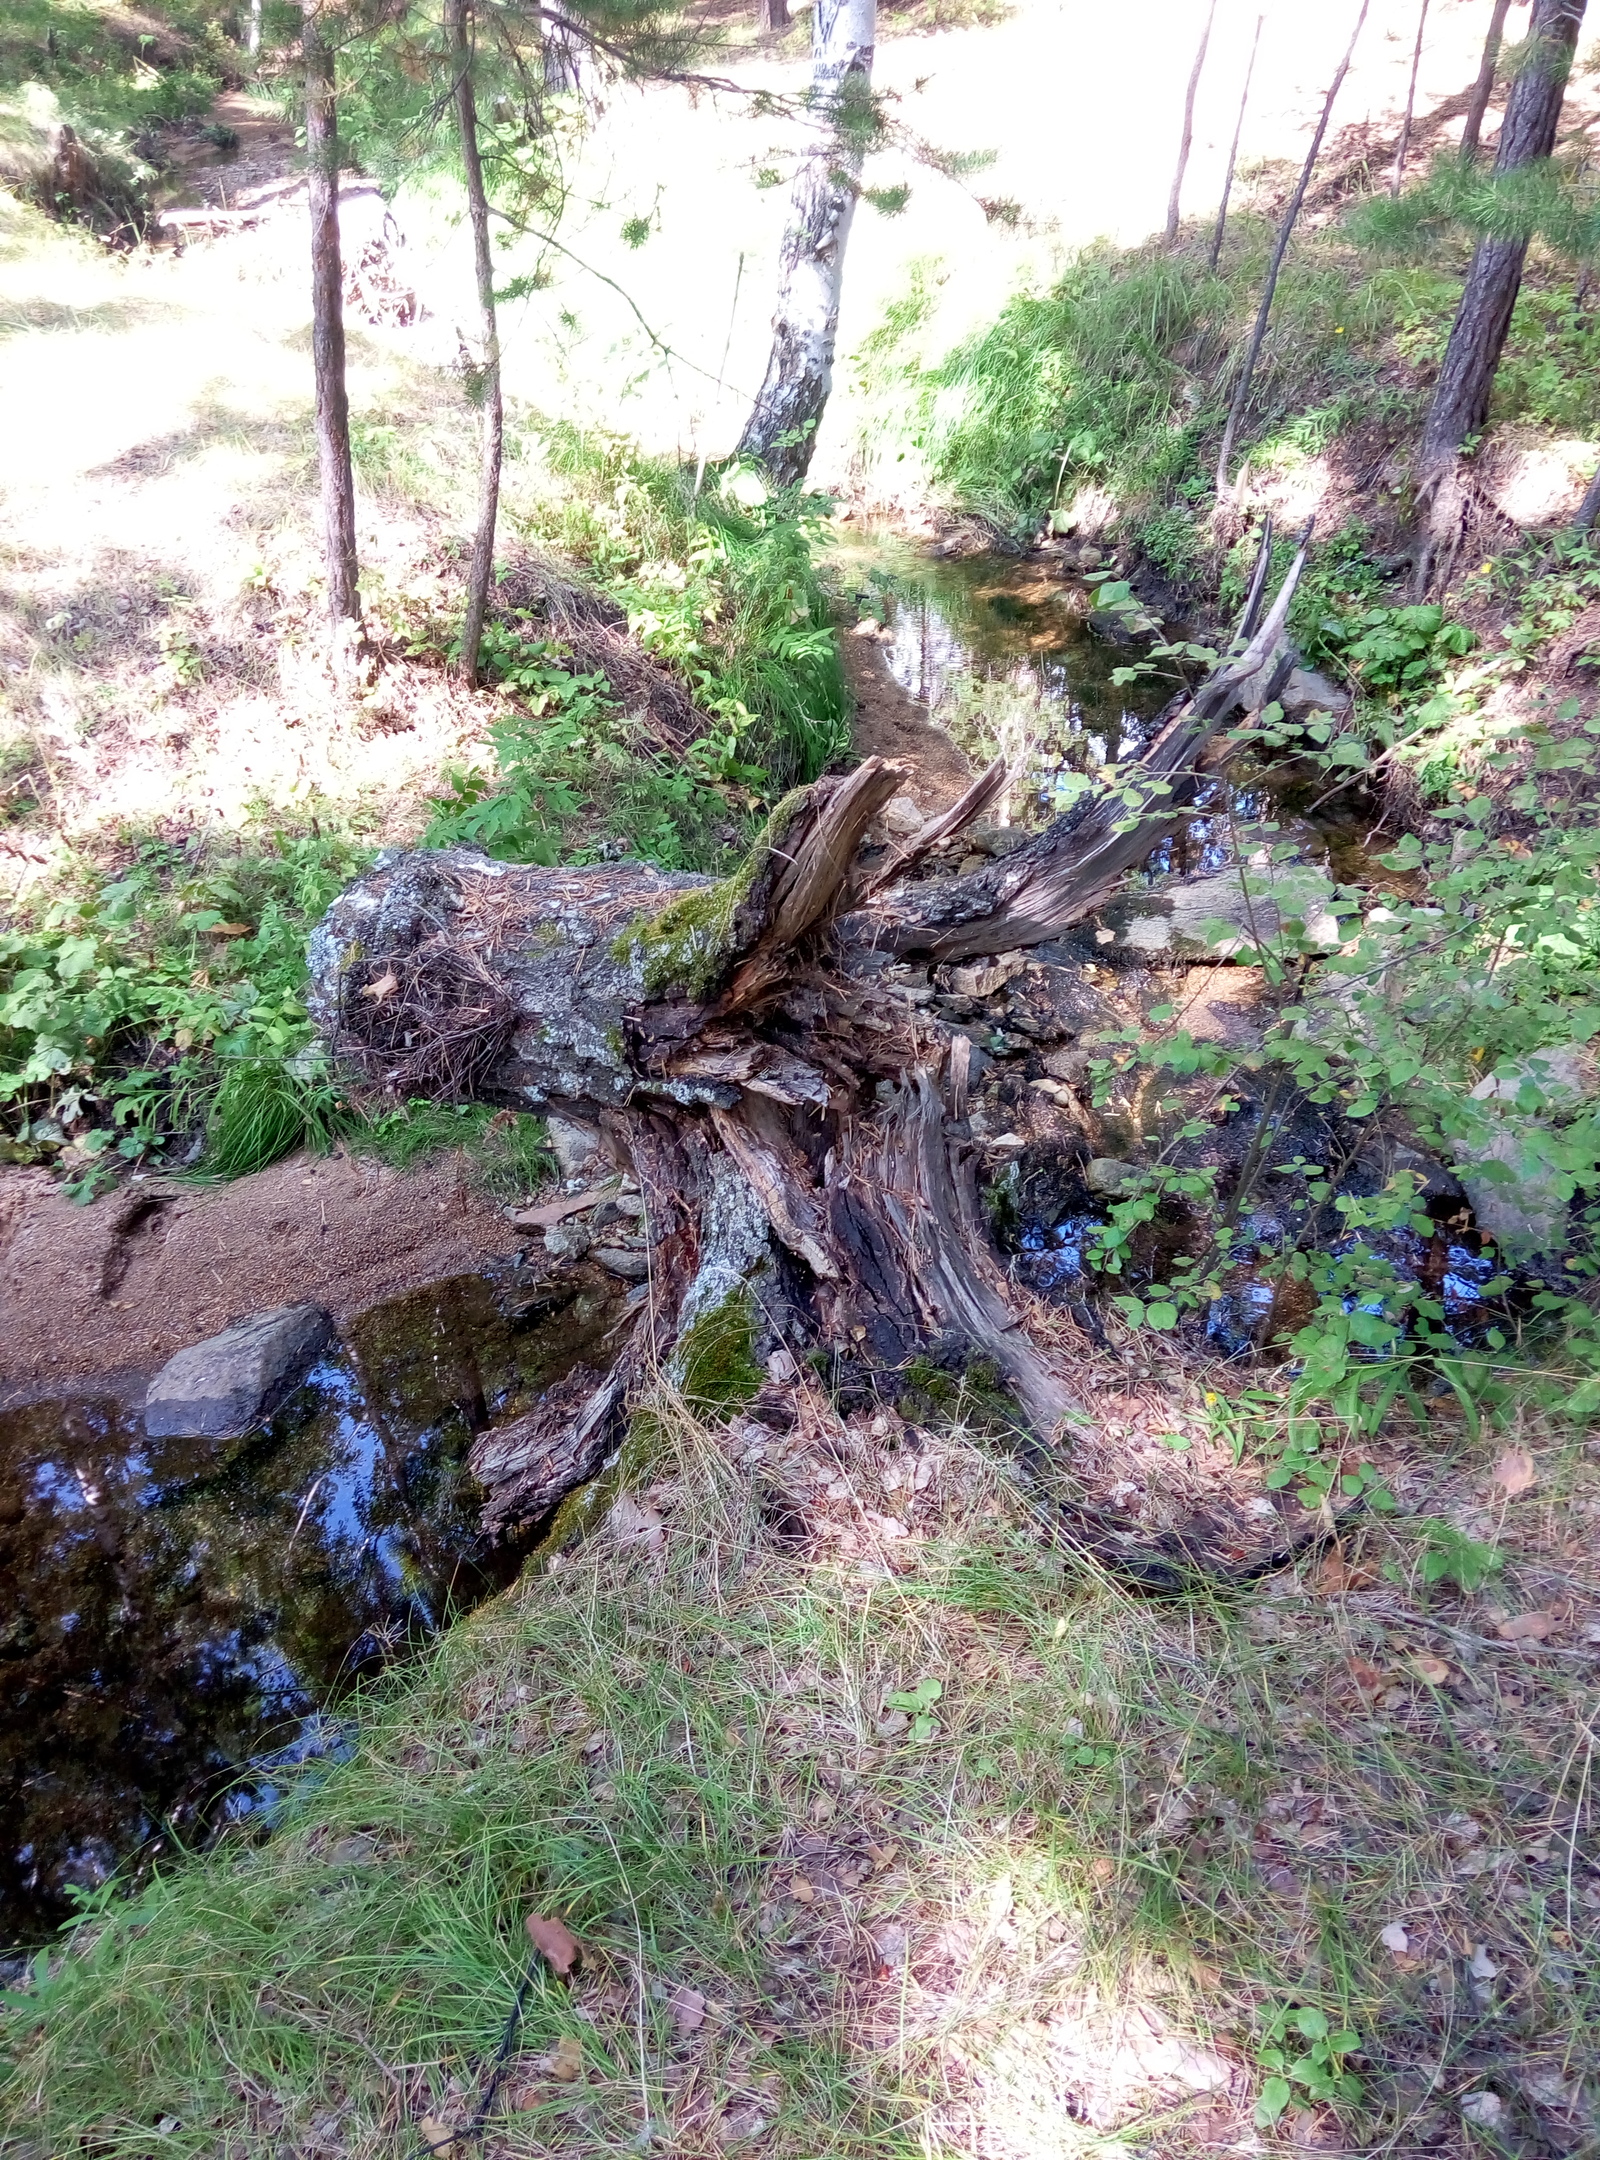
[(917, 1704), (1304, 2057), (1449, 1555), (1395, 651)]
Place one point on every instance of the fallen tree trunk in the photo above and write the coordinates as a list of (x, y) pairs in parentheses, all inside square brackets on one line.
[(797, 1127)]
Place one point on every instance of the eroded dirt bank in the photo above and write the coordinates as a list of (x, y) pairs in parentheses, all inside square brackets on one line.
[(123, 1284)]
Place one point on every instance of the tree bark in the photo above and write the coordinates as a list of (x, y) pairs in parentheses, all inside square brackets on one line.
[(327, 336), (796, 1125), (480, 573), (1589, 508), (1280, 248), (1460, 405), (1186, 140), (1533, 112), (1215, 255), (781, 432), (1398, 176), (772, 15), (1483, 88)]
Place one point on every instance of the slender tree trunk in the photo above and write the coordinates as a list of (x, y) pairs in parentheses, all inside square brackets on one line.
[(1280, 248), (782, 429), (1483, 88), (1186, 140), (327, 337), (1589, 508), (252, 35), (1399, 173), (772, 15), (1233, 151), (481, 572), (1466, 379)]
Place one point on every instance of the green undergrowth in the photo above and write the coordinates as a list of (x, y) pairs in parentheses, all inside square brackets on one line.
[(859, 1855), (1103, 396), (157, 1019), (719, 588), (115, 77)]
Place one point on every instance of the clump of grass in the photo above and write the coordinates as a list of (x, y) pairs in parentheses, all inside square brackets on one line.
[(508, 1150), (874, 1846), (263, 1110)]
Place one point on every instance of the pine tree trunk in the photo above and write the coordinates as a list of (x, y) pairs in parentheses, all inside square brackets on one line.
[(1397, 178), (796, 1126), (1241, 395), (781, 432), (327, 336), (1186, 140), (480, 573), (1460, 406), (1483, 88), (772, 15), (1233, 151)]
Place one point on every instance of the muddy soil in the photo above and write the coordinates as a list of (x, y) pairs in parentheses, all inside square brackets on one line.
[(123, 1284), (891, 723)]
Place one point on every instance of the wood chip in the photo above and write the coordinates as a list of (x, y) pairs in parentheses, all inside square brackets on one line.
[(550, 1212), (565, 2062), (1526, 1627)]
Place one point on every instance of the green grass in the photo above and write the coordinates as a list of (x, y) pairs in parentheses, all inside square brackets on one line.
[(686, 1743)]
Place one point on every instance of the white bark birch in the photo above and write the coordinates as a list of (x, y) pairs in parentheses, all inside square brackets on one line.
[(782, 429)]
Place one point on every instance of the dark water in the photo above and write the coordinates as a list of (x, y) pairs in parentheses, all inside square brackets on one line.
[(1002, 653), (181, 1618)]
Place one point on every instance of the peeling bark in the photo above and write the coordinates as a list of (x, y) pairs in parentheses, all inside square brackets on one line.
[(781, 432)]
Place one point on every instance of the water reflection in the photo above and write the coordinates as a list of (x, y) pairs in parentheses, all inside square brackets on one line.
[(177, 1609)]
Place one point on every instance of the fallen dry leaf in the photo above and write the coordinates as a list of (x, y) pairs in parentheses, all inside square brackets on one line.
[(1526, 1627), (1103, 1868), (438, 2137), (385, 986), (688, 2007), (555, 1943), (230, 929), (1395, 1939), (566, 2060), (1366, 1676), (1432, 1669), (800, 1889), (1514, 1472), (1336, 1575)]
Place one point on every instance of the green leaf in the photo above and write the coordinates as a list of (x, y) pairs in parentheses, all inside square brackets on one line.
[(1161, 1315), (1313, 2023), (1276, 2094)]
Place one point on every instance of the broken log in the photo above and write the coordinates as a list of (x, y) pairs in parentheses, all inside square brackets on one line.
[(797, 1128)]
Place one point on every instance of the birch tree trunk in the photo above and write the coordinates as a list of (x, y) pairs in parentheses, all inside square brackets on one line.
[(782, 429), (480, 573), (1483, 88), (1186, 141), (327, 337), (1466, 379)]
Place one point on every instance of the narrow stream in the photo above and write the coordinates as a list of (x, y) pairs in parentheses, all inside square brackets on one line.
[(182, 1618)]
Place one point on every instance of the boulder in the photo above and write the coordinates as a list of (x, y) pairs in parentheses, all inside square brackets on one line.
[(576, 1147), (221, 1387)]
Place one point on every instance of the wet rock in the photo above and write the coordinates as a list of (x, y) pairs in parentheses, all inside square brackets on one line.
[(567, 1241), (1106, 1174), (220, 1387), (902, 816), (1519, 1201), (1255, 907), (576, 1147), (1308, 690), (631, 1263)]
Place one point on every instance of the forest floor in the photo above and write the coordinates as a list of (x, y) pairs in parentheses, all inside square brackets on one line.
[(889, 1823)]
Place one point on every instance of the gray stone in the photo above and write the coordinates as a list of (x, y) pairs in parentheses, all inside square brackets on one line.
[(221, 1387), (632, 1264), (1519, 1201), (567, 1240), (1106, 1174), (1565, 1074), (576, 1147), (1308, 690)]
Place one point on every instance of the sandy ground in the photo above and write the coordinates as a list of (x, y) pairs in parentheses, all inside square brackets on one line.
[(123, 1284)]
